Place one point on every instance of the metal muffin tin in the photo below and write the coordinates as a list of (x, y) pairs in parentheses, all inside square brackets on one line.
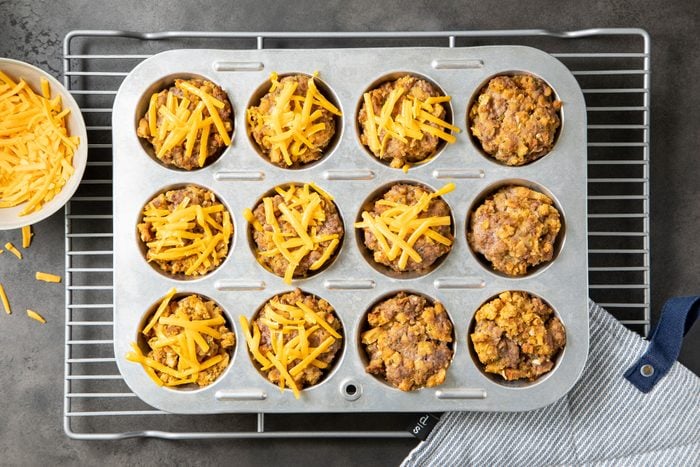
[(461, 282)]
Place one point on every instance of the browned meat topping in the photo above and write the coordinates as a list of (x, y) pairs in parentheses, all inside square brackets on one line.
[(515, 229), (517, 336), (408, 341), (515, 118)]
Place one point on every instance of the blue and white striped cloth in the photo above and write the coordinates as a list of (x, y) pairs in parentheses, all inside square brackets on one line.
[(604, 420)]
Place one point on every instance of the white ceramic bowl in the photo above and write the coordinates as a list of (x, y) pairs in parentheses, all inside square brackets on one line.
[(9, 217)]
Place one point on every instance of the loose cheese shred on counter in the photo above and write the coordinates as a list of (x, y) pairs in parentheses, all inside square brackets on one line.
[(46, 277), (179, 123), (11, 248), (297, 354), (5, 301), (412, 120), (36, 316), (399, 227), (27, 236), (293, 120), (36, 151), (302, 209)]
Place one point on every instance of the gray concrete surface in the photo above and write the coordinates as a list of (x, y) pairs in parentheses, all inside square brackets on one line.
[(31, 355)]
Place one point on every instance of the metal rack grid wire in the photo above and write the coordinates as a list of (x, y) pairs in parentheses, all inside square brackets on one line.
[(613, 69)]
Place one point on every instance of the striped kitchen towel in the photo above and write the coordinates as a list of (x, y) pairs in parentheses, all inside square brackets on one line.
[(603, 420)]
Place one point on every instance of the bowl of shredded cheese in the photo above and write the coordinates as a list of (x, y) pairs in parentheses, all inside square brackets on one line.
[(43, 144)]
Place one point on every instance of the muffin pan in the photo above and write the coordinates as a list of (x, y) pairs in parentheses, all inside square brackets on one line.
[(240, 177)]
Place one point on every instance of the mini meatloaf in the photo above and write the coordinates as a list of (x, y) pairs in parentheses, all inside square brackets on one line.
[(410, 142), (184, 120), (279, 127), (515, 118), (428, 248), (515, 229), (312, 247), (287, 336), (219, 340), (517, 336), (408, 341), (180, 241)]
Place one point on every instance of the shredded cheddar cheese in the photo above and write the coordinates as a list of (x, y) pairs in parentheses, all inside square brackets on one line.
[(27, 236), (188, 233), (294, 224), (292, 121), (399, 227), (46, 277), (36, 316), (404, 117), (186, 348), (292, 329), (36, 151), (5, 301), (179, 120), (11, 248)]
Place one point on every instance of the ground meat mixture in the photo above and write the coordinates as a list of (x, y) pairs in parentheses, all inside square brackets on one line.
[(515, 229), (517, 336), (311, 374), (515, 118), (170, 200), (195, 308), (177, 156), (408, 341), (399, 153), (277, 263), (428, 249), (262, 132)]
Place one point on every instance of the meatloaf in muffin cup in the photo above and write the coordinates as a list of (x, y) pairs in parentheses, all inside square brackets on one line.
[(189, 341), (515, 228), (403, 121), (185, 231), (515, 119), (294, 339), (396, 220), (408, 341), (188, 124), (517, 336), (294, 122), (297, 230)]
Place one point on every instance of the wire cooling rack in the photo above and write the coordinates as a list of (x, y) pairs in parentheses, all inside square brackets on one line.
[(612, 67)]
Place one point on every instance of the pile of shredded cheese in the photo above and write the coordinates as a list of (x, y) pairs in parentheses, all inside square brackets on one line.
[(399, 227), (293, 120), (36, 151), (180, 124), (189, 231), (290, 328), (302, 210), (411, 120), (187, 342)]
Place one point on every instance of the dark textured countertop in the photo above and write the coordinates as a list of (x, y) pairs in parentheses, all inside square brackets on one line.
[(31, 356)]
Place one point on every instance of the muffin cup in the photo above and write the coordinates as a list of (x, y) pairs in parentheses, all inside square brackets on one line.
[(164, 83)]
